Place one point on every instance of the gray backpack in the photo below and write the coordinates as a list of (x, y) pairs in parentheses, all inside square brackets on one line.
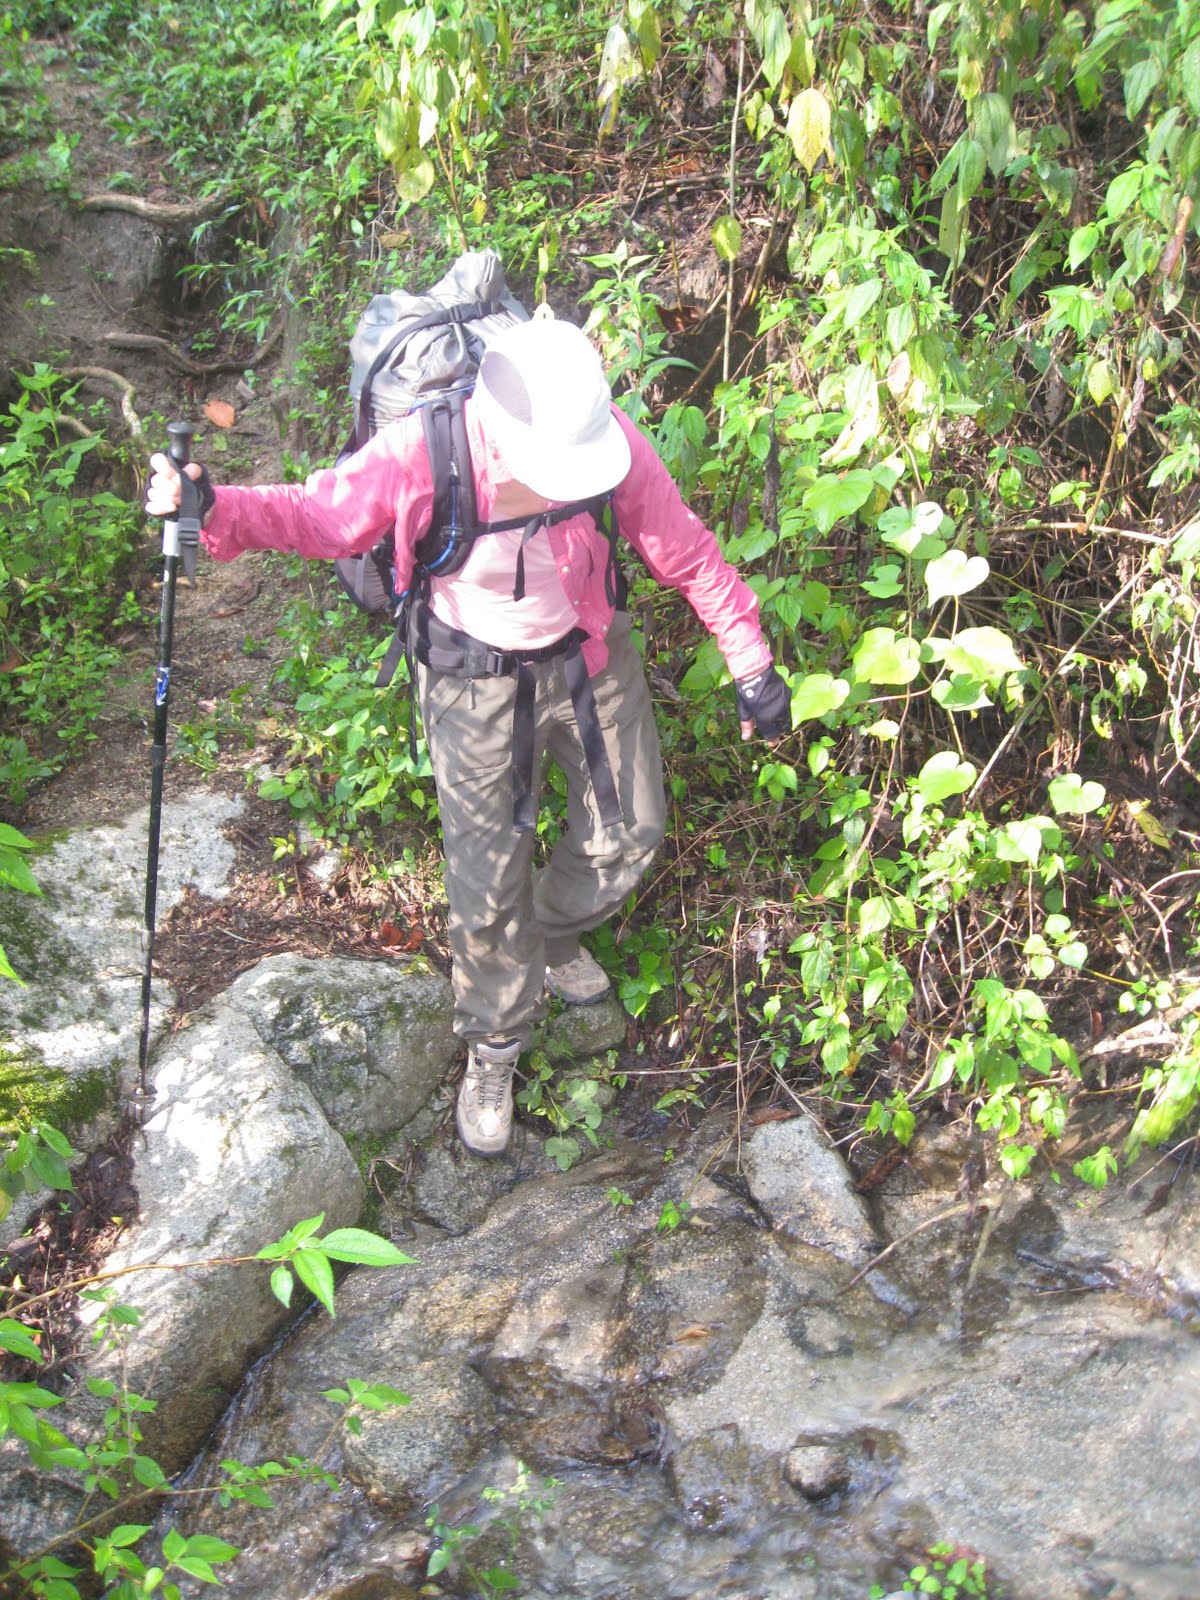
[(421, 352)]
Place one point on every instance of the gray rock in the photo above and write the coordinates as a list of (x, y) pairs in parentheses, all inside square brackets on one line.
[(371, 1039), (817, 1470), (710, 1477), (804, 1188), (578, 1032), (69, 1038), (235, 1153), (406, 1454)]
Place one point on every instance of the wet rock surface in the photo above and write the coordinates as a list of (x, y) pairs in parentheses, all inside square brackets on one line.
[(729, 1410)]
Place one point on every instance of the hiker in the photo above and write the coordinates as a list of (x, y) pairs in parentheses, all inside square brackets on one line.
[(559, 674)]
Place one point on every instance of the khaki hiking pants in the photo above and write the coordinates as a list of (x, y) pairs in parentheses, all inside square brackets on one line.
[(509, 922)]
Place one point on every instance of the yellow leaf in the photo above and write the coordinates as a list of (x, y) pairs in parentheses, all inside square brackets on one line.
[(1140, 811), (808, 126)]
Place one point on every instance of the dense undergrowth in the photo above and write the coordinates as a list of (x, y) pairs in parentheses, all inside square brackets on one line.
[(905, 296), (934, 392)]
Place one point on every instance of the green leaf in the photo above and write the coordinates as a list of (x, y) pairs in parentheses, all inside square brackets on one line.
[(211, 1548), (281, 1284), (831, 497), (862, 401), (873, 917), (1189, 71), (1019, 841), (620, 65), (858, 302), (960, 692), (727, 237), (953, 574), (952, 237), (128, 1533), (195, 1567), (643, 14), (1123, 191), (13, 839), (14, 871), (1140, 83), (884, 582), (816, 695), (985, 653), (1100, 380), (57, 1140), (315, 1273), (415, 176), (882, 657), (993, 126), (972, 165), (943, 775), (809, 124), (148, 1472), (15, 1338), (1083, 241), (970, 77), (363, 1248), (776, 46), (904, 527), (1071, 795)]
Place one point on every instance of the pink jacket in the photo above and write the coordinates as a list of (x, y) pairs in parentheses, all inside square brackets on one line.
[(343, 510)]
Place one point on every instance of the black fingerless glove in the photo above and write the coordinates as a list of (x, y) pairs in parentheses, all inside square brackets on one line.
[(205, 494), (765, 701)]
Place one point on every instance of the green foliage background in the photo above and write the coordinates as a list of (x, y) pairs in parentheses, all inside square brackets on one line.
[(938, 403)]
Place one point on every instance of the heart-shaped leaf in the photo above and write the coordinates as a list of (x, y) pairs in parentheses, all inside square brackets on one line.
[(817, 695), (1072, 795), (882, 657), (943, 775), (953, 574)]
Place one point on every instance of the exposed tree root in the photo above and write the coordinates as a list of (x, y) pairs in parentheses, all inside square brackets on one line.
[(185, 363), (123, 387), (165, 213)]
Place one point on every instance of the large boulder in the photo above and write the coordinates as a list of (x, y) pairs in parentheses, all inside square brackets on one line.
[(69, 1035), (371, 1039), (236, 1151)]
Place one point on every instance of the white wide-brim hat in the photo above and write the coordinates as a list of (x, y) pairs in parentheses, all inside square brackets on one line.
[(545, 403)]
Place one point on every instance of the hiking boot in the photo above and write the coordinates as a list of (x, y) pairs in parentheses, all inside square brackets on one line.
[(581, 982), (485, 1102)]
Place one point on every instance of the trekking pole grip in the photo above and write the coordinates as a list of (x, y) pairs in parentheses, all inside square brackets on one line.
[(188, 520), (180, 446)]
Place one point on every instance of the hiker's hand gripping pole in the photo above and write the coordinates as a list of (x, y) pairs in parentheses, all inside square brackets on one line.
[(181, 541)]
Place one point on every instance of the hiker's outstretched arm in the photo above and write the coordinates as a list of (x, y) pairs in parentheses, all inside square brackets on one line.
[(680, 551), (335, 512)]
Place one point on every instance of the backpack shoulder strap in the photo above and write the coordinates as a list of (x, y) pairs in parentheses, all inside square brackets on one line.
[(454, 523)]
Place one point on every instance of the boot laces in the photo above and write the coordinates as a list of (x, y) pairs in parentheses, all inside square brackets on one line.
[(491, 1082)]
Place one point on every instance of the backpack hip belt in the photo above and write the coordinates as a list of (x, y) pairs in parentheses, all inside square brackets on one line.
[(459, 655)]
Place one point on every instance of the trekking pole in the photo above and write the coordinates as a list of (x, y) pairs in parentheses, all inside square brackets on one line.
[(181, 541)]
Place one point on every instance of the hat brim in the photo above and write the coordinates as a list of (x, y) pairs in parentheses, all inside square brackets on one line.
[(563, 472)]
